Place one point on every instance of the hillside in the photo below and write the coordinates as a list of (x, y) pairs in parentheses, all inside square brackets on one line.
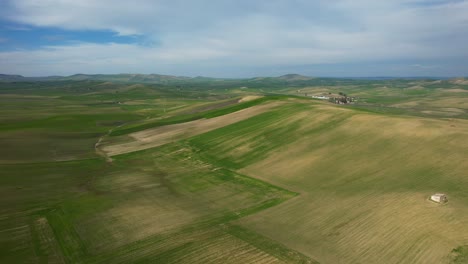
[(132, 78), (114, 172), (353, 171), (462, 81), (294, 77), (150, 78)]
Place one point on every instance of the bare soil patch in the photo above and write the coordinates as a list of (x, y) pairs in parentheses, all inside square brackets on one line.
[(416, 87), (249, 98), (455, 90)]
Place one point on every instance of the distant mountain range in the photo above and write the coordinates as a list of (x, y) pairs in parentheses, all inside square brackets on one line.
[(170, 79), (146, 78)]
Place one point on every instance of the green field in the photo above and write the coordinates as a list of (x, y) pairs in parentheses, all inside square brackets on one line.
[(278, 178)]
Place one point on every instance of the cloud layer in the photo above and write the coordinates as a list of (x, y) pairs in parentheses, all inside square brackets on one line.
[(246, 38)]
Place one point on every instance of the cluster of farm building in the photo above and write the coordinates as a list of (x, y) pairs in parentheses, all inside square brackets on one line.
[(343, 99)]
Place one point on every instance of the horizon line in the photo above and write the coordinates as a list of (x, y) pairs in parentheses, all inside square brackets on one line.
[(259, 76)]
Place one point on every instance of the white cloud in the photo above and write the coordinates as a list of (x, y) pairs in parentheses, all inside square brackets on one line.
[(17, 28), (213, 34)]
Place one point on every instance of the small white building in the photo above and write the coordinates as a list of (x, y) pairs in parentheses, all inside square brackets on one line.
[(321, 97), (439, 198)]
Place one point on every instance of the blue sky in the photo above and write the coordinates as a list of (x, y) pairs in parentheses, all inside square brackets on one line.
[(235, 38)]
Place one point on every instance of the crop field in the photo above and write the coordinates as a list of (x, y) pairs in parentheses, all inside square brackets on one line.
[(359, 181), (108, 172), (161, 135), (364, 183), (133, 207)]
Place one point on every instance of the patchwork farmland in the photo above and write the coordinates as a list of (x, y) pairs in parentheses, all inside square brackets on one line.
[(102, 172)]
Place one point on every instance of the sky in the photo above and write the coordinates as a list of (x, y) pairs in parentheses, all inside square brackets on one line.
[(235, 38)]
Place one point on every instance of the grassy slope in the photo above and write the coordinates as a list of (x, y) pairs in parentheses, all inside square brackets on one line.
[(59, 121), (364, 180), (460, 255), (191, 117), (157, 205)]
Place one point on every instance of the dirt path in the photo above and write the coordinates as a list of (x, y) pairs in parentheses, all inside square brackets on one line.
[(98, 150)]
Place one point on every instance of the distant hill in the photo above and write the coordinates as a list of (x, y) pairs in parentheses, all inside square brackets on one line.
[(295, 77), (129, 78), (141, 78), (12, 78), (150, 78), (287, 79), (284, 79), (461, 81), (20, 78)]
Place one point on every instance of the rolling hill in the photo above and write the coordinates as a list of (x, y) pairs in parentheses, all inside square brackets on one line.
[(100, 171)]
